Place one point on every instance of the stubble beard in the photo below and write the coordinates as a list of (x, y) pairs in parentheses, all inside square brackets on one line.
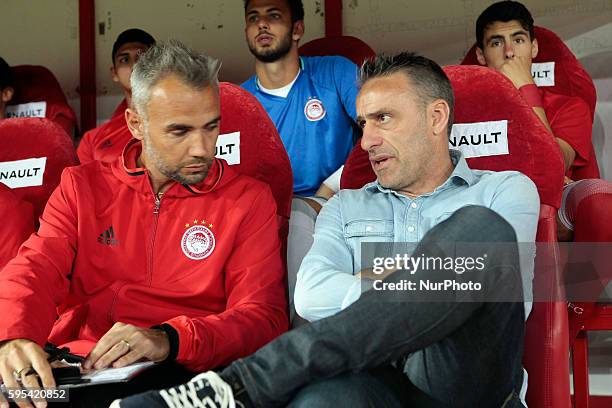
[(272, 54), (173, 173)]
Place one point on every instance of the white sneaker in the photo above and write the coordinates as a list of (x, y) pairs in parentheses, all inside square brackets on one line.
[(206, 390)]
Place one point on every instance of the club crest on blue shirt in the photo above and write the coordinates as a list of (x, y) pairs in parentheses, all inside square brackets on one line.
[(198, 241), (314, 110)]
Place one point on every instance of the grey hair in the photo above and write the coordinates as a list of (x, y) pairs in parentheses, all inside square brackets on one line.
[(427, 76), (170, 58)]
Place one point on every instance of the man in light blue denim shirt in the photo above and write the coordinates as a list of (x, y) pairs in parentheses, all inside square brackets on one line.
[(329, 278), (400, 347)]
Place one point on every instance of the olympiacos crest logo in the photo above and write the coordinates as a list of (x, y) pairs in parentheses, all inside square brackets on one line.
[(198, 242), (314, 110)]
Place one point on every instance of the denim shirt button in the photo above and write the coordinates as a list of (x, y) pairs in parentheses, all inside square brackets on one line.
[(411, 229)]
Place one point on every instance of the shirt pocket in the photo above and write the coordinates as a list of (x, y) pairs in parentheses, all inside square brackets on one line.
[(368, 229), (378, 232)]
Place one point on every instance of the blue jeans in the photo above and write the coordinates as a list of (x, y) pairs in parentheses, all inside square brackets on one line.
[(450, 354), (362, 389)]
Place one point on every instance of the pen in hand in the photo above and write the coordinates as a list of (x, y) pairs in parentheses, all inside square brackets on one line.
[(56, 354)]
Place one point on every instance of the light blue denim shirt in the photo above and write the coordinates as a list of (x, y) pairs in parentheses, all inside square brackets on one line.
[(326, 281)]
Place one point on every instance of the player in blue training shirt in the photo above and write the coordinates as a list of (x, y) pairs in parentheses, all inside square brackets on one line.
[(311, 100)]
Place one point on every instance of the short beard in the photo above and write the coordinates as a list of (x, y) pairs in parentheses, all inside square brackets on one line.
[(273, 54), (173, 173)]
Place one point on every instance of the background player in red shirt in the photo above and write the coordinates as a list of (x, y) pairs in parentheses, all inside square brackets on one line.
[(506, 42), (107, 141)]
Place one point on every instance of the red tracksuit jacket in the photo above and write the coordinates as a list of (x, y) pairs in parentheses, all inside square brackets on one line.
[(204, 259), (106, 142)]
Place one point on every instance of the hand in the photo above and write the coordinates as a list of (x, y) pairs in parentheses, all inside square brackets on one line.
[(325, 192), (368, 273), (518, 70), (313, 204), (125, 344), (19, 356)]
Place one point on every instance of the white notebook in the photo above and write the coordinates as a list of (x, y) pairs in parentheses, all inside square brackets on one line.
[(111, 375)]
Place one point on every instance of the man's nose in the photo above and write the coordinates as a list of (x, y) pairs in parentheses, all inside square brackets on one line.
[(198, 147), (370, 138), (509, 50), (263, 23)]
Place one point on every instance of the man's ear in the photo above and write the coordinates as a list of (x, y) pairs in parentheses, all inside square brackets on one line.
[(534, 48), (135, 123), (7, 94), (298, 30), (114, 75), (480, 57), (439, 114)]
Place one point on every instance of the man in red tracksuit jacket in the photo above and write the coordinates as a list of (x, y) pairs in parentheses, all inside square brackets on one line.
[(165, 254)]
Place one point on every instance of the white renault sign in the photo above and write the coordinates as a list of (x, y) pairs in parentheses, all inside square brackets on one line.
[(23, 173), (27, 110), (228, 148), (480, 139)]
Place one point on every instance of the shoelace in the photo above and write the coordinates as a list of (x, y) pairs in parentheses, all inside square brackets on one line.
[(186, 395)]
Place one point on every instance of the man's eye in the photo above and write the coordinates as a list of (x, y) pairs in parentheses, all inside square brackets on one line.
[(252, 19), (211, 128), (276, 16), (520, 40), (495, 43), (179, 132), (124, 60), (361, 123), (383, 118)]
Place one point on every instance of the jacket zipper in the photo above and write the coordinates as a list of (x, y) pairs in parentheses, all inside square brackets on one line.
[(156, 205)]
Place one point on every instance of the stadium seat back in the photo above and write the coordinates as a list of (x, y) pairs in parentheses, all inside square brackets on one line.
[(35, 153), (555, 67), (17, 223), (483, 95), (350, 47), (38, 94), (249, 136)]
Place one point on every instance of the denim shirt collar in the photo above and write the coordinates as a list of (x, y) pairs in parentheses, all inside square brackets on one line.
[(461, 174)]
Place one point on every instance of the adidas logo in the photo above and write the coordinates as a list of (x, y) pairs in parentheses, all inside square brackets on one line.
[(108, 237)]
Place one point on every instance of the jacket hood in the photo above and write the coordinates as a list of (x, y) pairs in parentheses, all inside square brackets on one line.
[(126, 169)]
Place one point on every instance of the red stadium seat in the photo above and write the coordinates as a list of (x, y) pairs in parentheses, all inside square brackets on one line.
[(261, 153), (35, 153), (17, 223), (350, 47), (534, 152), (35, 83), (570, 77)]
